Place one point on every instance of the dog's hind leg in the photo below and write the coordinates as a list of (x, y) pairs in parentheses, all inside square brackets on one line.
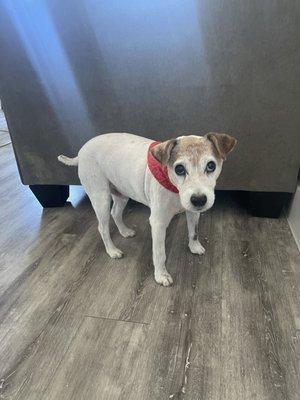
[(101, 203), (117, 214), (97, 188)]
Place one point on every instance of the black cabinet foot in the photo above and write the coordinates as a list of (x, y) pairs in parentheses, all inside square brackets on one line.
[(267, 204), (51, 195)]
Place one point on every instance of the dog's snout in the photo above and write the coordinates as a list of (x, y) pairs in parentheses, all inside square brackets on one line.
[(199, 201)]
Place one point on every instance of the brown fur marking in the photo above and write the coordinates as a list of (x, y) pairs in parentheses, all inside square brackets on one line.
[(193, 148)]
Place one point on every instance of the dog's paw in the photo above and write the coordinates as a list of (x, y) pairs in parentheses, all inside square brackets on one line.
[(126, 233), (115, 253), (164, 278), (196, 247)]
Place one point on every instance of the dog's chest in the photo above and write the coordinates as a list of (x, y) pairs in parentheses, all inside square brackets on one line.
[(173, 204)]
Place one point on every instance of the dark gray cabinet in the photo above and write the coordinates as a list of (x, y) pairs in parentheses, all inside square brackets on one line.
[(75, 68)]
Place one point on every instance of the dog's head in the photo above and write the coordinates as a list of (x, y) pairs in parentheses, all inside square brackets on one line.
[(194, 164)]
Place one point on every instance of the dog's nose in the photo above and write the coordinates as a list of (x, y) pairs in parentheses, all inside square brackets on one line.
[(198, 201)]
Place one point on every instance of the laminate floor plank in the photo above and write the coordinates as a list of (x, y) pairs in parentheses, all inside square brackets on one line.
[(278, 298), (205, 357), (161, 372), (243, 317), (101, 361), (257, 350), (64, 315), (3, 124), (4, 138)]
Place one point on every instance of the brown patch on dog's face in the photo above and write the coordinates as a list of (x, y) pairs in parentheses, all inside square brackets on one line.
[(192, 147)]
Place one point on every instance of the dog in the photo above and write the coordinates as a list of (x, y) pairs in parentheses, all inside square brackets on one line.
[(169, 177)]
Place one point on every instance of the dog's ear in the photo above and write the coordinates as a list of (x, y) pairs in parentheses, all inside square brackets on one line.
[(223, 143), (162, 151)]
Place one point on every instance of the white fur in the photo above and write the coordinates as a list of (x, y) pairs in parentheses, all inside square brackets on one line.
[(68, 161), (120, 159)]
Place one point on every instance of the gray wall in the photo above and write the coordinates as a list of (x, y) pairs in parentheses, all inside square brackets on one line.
[(71, 69)]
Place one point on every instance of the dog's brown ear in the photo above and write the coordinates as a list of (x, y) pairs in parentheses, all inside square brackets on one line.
[(223, 143), (162, 151)]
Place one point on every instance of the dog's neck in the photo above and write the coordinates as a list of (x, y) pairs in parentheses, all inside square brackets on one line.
[(159, 171)]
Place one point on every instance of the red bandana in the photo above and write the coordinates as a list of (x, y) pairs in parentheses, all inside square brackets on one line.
[(159, 171)]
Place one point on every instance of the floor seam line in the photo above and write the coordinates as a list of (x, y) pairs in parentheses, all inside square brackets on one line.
[(116, 319)]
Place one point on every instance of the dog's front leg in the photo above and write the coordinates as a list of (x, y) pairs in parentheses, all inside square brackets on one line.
[(192, 223), (159, 223)]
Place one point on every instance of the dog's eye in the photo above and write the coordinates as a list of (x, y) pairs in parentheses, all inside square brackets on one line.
[(210, 167), (180, 170)]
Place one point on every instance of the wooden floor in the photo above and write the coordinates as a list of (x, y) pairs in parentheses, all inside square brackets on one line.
[(4, 135), (76, 324)]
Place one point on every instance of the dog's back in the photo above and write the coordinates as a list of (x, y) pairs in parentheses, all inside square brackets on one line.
[(121, 158)]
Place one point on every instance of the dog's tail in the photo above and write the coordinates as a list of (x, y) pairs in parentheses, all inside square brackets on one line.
[(72, 162)]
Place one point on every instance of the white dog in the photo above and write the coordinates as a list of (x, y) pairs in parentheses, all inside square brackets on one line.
[(169, 177)]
